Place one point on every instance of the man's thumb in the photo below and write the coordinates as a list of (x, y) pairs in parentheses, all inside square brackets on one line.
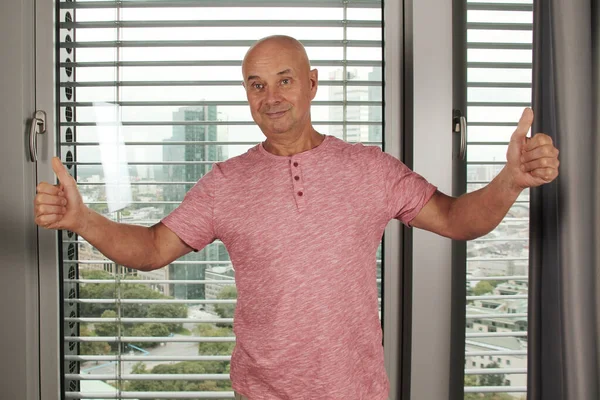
[(524, 125), (61, 172)]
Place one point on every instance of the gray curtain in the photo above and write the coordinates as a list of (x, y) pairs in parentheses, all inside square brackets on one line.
[(563, 310)]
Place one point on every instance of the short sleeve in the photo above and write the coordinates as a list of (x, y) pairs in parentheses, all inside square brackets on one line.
[(193, 221), (406, 192)]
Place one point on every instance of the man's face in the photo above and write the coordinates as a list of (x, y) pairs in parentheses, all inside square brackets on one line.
[(279, 87)]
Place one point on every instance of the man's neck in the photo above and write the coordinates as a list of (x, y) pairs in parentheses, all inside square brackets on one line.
[(288, 145)]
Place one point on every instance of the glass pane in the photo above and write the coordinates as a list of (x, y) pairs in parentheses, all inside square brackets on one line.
[(172, 111), (497, 263)]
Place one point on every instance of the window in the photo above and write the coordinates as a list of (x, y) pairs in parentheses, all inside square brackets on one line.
[(161, 80), (499, 57)]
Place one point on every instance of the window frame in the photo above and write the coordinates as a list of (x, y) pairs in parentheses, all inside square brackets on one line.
[(51, 320)]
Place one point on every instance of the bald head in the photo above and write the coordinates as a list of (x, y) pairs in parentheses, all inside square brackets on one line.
[(271, 46), (280, 86)]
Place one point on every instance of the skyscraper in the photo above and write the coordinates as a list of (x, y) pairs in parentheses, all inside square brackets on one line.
[(354, 133), (376, 113), (188, 149)]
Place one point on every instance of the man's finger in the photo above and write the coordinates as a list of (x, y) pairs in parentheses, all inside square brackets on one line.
[(539, 139), (45, 187), (547, 174), (48, 210), (47, 219), (50, 200), (540, 152), (61, 172), (540, 163), (524, 125)]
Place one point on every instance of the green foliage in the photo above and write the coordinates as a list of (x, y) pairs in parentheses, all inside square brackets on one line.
[(168, 311), (489, 396), (215, 348), (487, 380), (186, 367), (151, 329), (226, 310), (136, 310), (92, 348), (482, 288), (492, 379)]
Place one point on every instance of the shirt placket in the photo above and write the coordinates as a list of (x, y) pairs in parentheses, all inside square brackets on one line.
[(298, 183)]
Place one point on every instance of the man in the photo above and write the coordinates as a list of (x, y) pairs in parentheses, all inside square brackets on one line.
[(302, 215)]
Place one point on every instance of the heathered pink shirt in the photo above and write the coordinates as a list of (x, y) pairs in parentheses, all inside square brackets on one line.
[(302, 233)]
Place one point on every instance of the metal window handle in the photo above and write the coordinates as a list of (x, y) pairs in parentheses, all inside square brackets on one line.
[(459, 123), (38, 126)]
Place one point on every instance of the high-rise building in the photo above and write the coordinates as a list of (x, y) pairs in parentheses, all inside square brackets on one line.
[(193, 265), (353, 133), (376, 113)]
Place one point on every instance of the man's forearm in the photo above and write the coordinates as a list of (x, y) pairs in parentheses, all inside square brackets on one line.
[(477, 213), (130, 245)]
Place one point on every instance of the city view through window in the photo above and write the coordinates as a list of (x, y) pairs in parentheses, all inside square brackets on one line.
[(156, 89), (499, 39)]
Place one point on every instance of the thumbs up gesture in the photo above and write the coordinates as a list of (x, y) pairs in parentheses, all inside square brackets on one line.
[(59, 206), (531, 161)]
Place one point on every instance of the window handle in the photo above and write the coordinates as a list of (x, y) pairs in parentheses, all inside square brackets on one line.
[(38, 127), (459, 125)]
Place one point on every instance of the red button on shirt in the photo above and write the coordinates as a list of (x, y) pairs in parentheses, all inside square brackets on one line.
[(295, 164), (300, 193), (297, 178)]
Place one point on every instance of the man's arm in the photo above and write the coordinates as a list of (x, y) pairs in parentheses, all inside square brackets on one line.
[(138, 247), (530, 162)]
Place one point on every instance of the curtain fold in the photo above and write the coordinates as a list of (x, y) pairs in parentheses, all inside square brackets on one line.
[(563, 310)]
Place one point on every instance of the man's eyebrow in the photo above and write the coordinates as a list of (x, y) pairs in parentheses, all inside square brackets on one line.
[(285, 71), (252, 77)]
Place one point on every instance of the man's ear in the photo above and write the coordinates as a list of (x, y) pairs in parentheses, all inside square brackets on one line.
[(314, 81)]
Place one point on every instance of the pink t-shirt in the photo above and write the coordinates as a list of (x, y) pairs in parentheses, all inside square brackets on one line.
[(302, 233)]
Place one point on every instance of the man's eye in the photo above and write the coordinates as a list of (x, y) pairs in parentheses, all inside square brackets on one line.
[(285, 81), (258, 86)]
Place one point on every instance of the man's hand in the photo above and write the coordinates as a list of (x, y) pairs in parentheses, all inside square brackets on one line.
[(59, 206), (532, 161)]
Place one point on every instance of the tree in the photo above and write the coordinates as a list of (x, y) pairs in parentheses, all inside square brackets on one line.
[(482, 288), (215, 348), (168, 311), (186, 367), (226, 310), (151, 329), (486, 380), (92, 348), (492, 379)]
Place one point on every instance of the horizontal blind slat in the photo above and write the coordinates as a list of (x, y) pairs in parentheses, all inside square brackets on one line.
[(223, 123), (149, 395), (200, 83), (210, 63), (152, 320), (499, 7), (149, 377), (221, 23), (224, 103), (152, 301), (495, 389), (133, 339), (489, 371), (212, 43), (223, 3), (147, 358)]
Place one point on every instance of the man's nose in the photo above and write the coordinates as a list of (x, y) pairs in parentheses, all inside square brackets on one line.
[(273, 94)]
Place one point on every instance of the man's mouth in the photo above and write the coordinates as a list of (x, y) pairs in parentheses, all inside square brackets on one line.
[(275, 115)]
